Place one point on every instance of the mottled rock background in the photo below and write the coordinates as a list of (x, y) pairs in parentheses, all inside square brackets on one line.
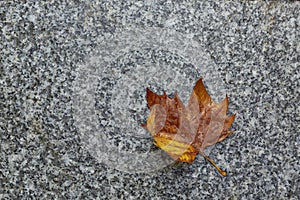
[(255, 50)]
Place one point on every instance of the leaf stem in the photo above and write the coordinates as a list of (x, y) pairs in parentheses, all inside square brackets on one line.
[(222, 172)]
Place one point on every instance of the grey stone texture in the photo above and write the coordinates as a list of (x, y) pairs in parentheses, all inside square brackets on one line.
[(250, 50)]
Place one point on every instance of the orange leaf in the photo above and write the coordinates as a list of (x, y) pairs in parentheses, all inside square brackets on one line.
[(183, 132)]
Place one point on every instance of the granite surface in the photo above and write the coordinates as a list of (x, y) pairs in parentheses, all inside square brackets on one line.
[(72, 96)]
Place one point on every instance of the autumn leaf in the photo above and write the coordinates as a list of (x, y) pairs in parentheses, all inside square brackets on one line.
[(183, 132)]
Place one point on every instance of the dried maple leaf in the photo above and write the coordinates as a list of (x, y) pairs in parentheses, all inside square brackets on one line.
[(183, 132)]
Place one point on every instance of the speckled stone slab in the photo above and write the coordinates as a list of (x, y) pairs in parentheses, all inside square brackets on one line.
[(72, 97)]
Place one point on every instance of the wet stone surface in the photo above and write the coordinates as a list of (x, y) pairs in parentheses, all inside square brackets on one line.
[(72, 97)]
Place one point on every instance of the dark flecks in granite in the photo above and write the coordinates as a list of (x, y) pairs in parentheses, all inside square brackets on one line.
[(255, 46)]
